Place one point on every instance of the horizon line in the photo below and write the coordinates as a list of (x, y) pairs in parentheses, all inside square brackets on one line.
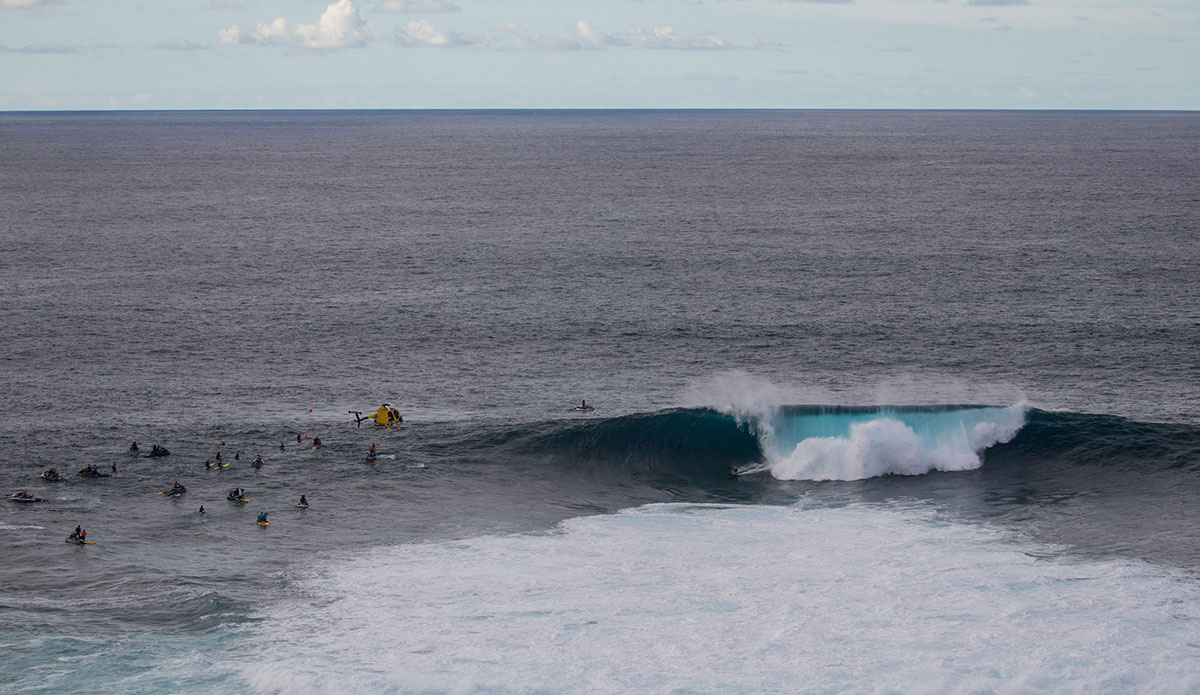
[(512, 109)]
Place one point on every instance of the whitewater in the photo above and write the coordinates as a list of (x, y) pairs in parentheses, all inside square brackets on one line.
[(709, 598)]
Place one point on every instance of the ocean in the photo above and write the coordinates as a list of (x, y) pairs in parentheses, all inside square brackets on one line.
[(883, 401)]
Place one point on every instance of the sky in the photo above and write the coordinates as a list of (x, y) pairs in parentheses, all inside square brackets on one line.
[(402, 54)]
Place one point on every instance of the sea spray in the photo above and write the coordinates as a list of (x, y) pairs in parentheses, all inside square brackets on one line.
[(853, 444), (842, 442)]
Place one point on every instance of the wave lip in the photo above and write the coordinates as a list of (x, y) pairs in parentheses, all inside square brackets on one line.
[(841, 443)]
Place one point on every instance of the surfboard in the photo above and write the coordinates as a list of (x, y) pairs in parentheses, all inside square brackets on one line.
[(264, 523)]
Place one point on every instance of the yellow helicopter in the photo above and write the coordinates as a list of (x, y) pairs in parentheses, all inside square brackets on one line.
[(384, 416)]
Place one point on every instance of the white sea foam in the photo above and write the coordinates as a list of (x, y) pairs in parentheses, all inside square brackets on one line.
[(846, 445), (14, 527), (705, 599), (907, 443)]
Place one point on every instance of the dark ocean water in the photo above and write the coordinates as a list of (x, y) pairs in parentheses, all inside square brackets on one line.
[(929, 337)]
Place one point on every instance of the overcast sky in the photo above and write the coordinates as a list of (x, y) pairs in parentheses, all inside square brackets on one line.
[(1010, 54)]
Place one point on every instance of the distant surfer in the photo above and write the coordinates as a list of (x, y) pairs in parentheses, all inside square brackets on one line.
[(202, 509), (281, 448), (303, 502), (133, 449), (262, 519), (114, 467)]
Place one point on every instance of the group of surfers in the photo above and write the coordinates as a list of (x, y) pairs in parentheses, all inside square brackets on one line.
[(237, 455), (237, 494)]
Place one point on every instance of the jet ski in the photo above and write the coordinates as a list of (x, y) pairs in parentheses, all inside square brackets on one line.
[(78, 541), (175, 491), (52, 475), (237, 496), (158, 451), (23, 496), (89, 472)]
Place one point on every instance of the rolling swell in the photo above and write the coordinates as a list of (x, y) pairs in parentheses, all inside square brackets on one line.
[(680, 442), (704, 443), (1103, 441)]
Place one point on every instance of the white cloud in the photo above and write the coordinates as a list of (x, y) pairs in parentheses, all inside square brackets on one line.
[(339, 26), (665, 38), (20, 4), (515, 36), (423, 33), (591, 36), (414, 6), (180, 45), (61, 47)]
